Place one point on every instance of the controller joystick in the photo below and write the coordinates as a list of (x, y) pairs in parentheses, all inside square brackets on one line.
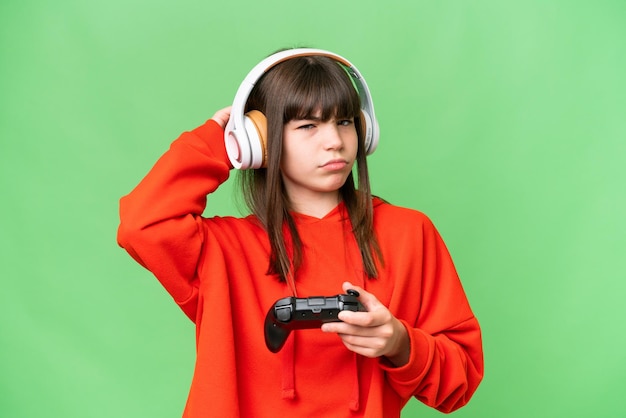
[(293, 313)]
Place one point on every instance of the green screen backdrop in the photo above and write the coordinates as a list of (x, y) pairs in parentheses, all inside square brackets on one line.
[(504, 121)]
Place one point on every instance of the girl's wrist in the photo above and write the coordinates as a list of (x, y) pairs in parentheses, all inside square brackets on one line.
[(402, 353)]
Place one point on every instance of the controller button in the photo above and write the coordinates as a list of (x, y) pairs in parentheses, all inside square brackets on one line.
[(283, 314)]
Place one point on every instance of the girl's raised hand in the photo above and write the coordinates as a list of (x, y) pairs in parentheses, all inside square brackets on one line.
[(222, 116)]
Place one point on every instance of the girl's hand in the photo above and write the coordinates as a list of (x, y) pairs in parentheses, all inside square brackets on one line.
[(373, 333), (222, 116)]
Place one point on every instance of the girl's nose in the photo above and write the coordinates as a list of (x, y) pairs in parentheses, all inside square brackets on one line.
[(332, 136)]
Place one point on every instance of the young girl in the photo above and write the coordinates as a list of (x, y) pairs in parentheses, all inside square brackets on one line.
[(313, 230)]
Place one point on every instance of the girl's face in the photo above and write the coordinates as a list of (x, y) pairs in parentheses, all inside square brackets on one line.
[(317, 157)]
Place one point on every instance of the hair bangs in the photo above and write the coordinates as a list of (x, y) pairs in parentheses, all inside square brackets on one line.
[(322, 92)]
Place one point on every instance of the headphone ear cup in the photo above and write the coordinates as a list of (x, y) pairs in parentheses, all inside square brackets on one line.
[(367, 129), (255, 123)]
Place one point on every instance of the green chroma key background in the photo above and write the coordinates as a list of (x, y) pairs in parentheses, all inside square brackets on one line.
[(504, 121)]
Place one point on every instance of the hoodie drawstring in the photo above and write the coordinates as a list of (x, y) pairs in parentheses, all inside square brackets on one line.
[(289, 370), (288, 389), (355, 397)]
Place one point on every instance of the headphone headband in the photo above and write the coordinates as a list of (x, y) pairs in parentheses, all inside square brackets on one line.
[(244, 152)]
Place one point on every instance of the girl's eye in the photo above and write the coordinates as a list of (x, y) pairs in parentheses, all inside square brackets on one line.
[(345, 122), (306, 127)]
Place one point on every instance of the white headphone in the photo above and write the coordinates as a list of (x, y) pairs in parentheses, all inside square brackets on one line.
[(245, 134)]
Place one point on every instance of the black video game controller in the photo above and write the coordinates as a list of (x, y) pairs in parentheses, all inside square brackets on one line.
[(292, 313)]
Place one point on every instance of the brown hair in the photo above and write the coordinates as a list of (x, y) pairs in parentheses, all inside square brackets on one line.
[(297, 89)]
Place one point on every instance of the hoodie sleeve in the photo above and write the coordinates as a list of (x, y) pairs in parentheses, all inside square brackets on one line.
[(160, 220), (446, 361)]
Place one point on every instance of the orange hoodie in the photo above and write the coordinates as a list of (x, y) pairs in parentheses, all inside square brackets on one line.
[(215, 270)]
